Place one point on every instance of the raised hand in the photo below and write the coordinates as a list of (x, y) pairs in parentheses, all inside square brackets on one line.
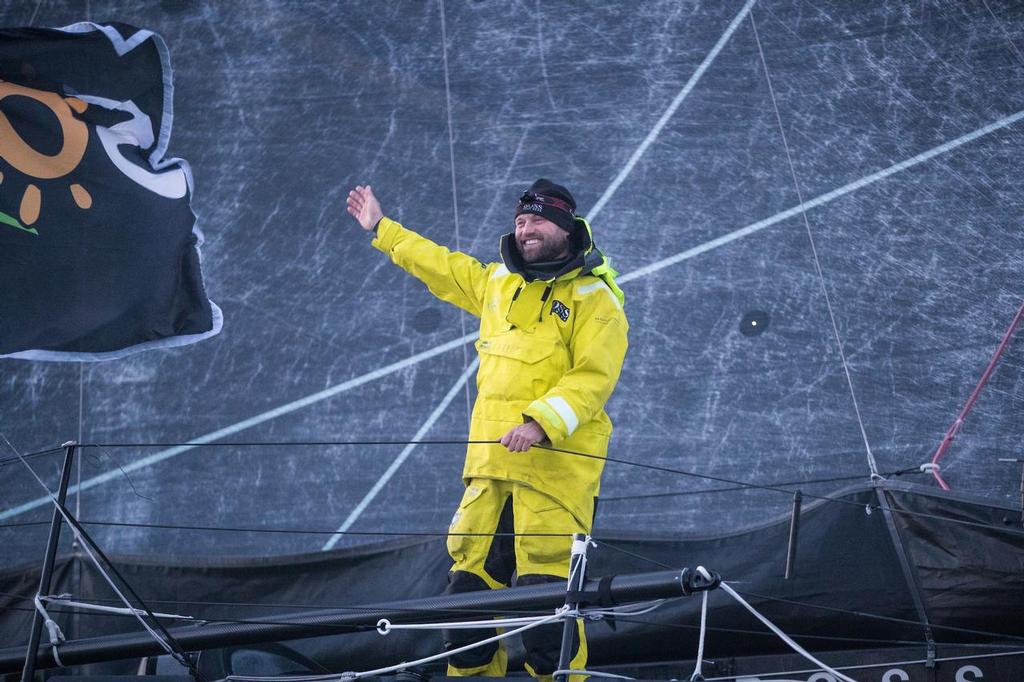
[(364, 207)]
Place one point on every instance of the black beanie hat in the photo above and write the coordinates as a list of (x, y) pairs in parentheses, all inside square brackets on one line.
[(550, 201)]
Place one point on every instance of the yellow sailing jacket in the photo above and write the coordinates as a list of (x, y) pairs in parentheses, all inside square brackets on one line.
[(549, 351)]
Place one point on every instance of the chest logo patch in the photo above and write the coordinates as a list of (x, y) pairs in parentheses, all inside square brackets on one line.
[(560, 309)]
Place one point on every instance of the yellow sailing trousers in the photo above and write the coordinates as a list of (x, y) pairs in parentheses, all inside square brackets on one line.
[(486, 554)]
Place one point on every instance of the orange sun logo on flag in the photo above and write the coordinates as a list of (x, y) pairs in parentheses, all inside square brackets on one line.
[(18, 153)]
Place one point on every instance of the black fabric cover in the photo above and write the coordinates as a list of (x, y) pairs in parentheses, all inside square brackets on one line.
[(969, 576), (89, 279)]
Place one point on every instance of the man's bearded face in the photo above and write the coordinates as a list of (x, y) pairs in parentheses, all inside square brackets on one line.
[(540, 240)]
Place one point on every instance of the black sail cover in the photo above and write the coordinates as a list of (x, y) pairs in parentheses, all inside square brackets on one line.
[(99, 249), (849, 590)]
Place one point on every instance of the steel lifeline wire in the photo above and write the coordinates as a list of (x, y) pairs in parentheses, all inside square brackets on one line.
[(738, 485), (624, 613), (623, 618), (625, 462)]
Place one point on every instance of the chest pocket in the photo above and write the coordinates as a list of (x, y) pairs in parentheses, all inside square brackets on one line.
[(520, 367), (528, 351)]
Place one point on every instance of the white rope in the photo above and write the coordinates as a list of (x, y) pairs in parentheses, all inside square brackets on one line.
[(86, 606), (579, 547), (782, 635), (385, 626), (446, 654), (590, 673), (697, 674), (561, 613), (640, 610), (282, 678), (56, 657), (52, 629)]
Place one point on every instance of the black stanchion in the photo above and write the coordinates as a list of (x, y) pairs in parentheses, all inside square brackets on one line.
[(577, 578), (29, 671)]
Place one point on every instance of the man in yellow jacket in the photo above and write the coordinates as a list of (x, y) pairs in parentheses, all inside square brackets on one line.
[(553, 336)]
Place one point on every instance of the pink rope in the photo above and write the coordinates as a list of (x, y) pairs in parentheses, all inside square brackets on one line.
[(955, 427)]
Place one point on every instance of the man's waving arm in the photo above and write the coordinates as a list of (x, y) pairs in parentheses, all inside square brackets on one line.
[(450, 275)]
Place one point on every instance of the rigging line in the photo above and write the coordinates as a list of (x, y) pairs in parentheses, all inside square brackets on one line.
[(402, 456), (318, 443), (170, 645), (305, 607), (207, 621), (455, 191), (644, 271), (30, 455), (303, 531), (738, 486), (299, 531), (872, 507), (681, 472), (558, 615), (417, 441), (385, 626), (874, 616), (618, 618), (589, 672), (703, 634), (958, 422), (872, 464), (367, 609), (1006, 35), (605, 543), (120, 467), (703, 491), (867, 506), (778, 631), (401, 666)]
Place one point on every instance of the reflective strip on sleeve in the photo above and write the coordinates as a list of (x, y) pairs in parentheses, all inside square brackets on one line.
[(564, 411), (594, 286), (546, 413)]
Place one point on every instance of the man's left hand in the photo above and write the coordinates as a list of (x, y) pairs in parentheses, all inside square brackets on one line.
[(523, 437)]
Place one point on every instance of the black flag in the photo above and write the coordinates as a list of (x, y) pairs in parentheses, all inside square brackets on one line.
[(99, 248)]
